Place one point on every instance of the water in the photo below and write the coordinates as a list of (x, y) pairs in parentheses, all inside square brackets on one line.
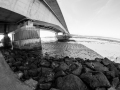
[(83, 47)]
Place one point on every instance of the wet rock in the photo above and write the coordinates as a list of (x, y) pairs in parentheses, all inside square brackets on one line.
[(33, 66), (32, 83), (80, 60), (73, 67), (54, 89), (118, 87), (98, 59), (18, 63), (19, 74), (100, 88), (32, 72), (118, 67), (22, 68), (70, 82), (48, 74), (106, 61), (115, 82), (95, 79), (78, 70), (86, 69), (41, 79), (114, 69), (110, 75), (111, 88), (96, 66), (45, 86), (63, 66), (60, 73), (45, 63), (54, 65)]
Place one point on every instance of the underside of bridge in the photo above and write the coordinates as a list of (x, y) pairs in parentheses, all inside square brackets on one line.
[(25, 19)]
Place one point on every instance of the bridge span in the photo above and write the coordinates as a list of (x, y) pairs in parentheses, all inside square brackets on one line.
[(25, 18)]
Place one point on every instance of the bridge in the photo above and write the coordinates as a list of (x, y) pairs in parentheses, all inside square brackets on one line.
[(25, 19)]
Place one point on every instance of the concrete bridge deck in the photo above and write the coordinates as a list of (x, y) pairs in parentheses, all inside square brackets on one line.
[(25, 18)]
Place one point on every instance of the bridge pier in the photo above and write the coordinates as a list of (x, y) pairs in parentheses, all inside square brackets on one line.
[(27, 37), (62, 36)]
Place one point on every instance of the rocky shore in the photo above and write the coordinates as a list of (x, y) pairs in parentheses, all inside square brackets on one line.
[(65, 73)]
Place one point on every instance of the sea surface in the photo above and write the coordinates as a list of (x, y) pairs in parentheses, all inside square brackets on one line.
[(84, 47)]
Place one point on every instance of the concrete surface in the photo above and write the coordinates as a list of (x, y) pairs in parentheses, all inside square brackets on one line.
[(8, 80)]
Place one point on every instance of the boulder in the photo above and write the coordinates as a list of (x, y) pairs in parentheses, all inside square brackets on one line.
[(111, 88), (110, 74), (60, 73), (115, 82), (96, 66), (32, 83), (100, 88), (54, 89), (45, 63), (45, 86), (33, 72), (54, 65), (106, 61), (63, 66), (70, 82), (118, 87), (95, 79), (86, 69), (19, 74), (78, 70), (48, 74), (114, 69)]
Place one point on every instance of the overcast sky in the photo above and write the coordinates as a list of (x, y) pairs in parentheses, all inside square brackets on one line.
[(92, 17)]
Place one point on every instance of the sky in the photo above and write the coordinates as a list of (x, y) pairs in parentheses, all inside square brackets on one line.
[(92, 17)]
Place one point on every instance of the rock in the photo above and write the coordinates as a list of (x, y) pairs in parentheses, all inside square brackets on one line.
[(114, 69), (110, 75), (78, 70), (63, 66), (33, 66), (118, 67), (87, 70), (100, 88), (69, 62), (97, 66), (106, 61), (45, 86), (70, 82), (32, 72), (48, 74), (54, 89), (98, 59), (32, 83), (18, 63), (45, 70), (45, 63), (22, 68), (60, 73), (80, 60), (42, 79), (54, 65), (19, 74), (95, 79), (111, 88), (118, 87), (115, 82)]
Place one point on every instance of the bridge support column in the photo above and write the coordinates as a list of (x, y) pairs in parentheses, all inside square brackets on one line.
[(27, 38), (62, 36)]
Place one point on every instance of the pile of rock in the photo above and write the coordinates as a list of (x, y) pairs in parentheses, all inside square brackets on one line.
[(50, 73)]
